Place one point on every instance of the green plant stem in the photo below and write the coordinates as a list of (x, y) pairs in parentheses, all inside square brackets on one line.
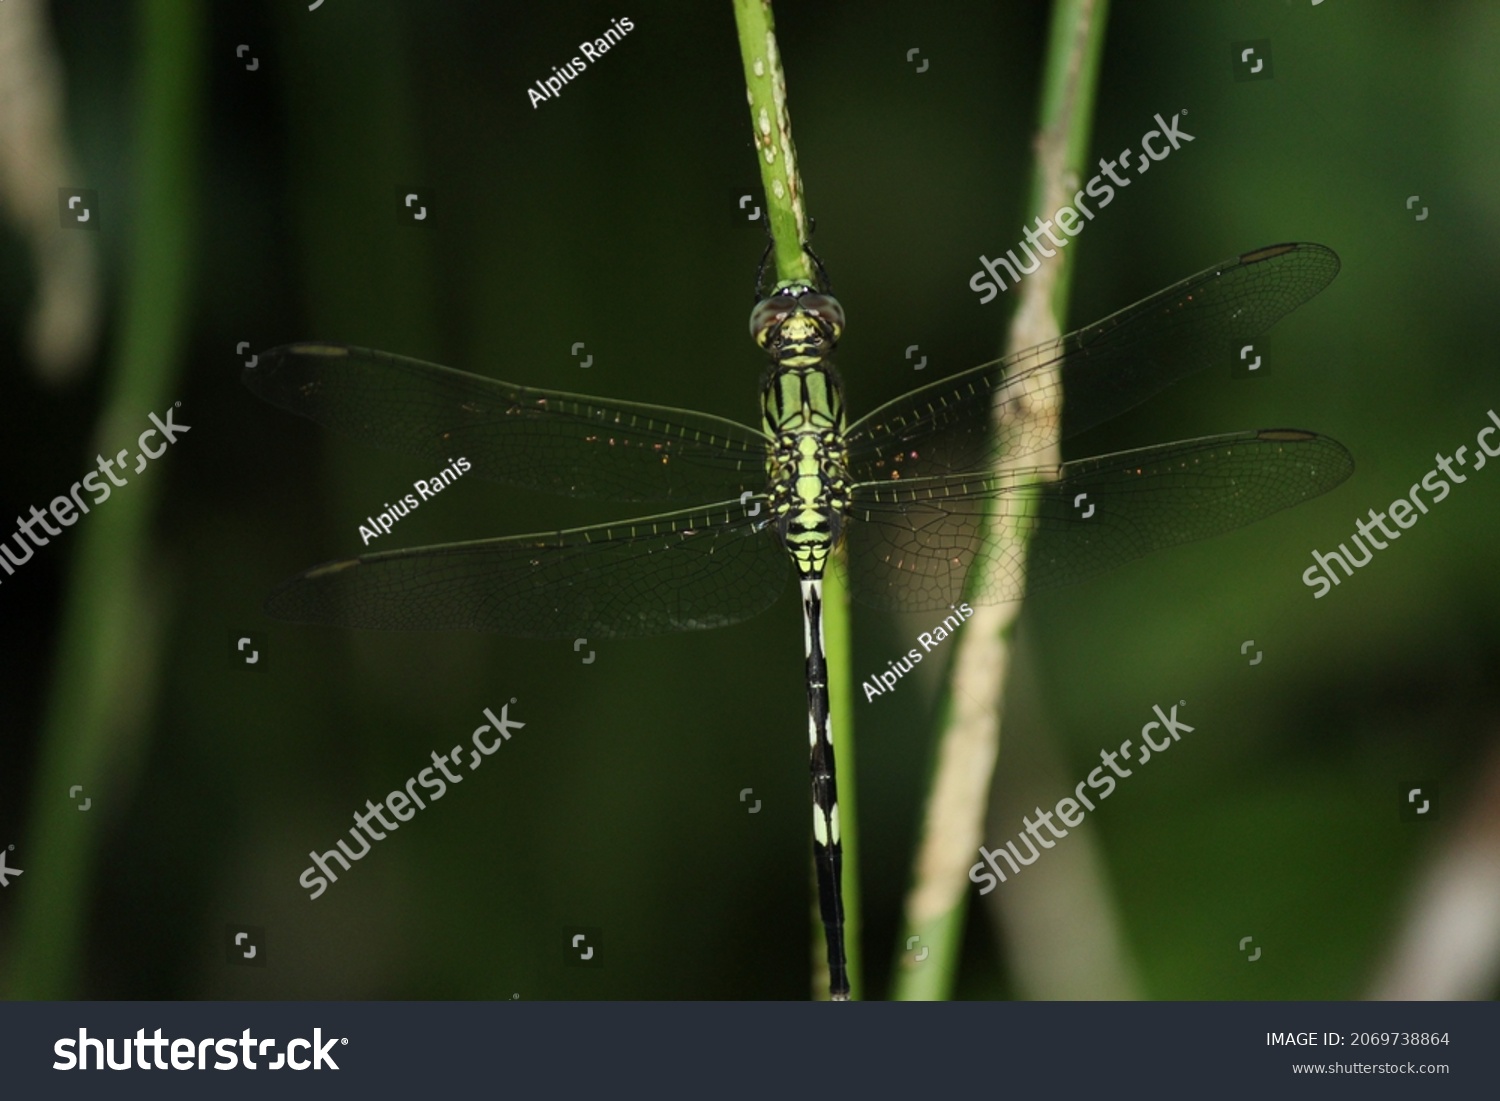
[(765, 85), (839, 644), (106, 667), (969, 745)]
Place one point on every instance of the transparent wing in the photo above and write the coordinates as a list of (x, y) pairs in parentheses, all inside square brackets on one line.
[(542, 439), (682, 571), (1101, 370), (915, 544)]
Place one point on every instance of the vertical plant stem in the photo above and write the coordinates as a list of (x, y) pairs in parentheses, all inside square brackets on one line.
[(969, 744), (765, 86), (838, 641), (105, 671)]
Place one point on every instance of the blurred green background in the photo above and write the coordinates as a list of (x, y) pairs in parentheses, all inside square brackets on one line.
[(608, 216)]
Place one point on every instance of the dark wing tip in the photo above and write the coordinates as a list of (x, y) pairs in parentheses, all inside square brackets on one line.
[(1269, 252), (1310, 248), (302, 599), (1342, 462), (314, 348), (275, 367)]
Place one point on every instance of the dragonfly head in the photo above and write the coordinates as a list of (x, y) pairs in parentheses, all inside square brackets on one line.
[(799, 317)]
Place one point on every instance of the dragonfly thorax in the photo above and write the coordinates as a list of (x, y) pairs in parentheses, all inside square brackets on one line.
[(802, 405)]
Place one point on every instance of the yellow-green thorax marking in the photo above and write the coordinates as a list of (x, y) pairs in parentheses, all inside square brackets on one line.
[(802, 406)]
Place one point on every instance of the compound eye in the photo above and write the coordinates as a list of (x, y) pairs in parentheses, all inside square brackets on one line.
[(826, 308), (768, 315)]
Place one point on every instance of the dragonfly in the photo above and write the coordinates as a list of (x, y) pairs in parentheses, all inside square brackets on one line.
[(907, 494)]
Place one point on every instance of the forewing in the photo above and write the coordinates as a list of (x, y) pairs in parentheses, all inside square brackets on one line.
[(563, 443), (1098, 372)]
